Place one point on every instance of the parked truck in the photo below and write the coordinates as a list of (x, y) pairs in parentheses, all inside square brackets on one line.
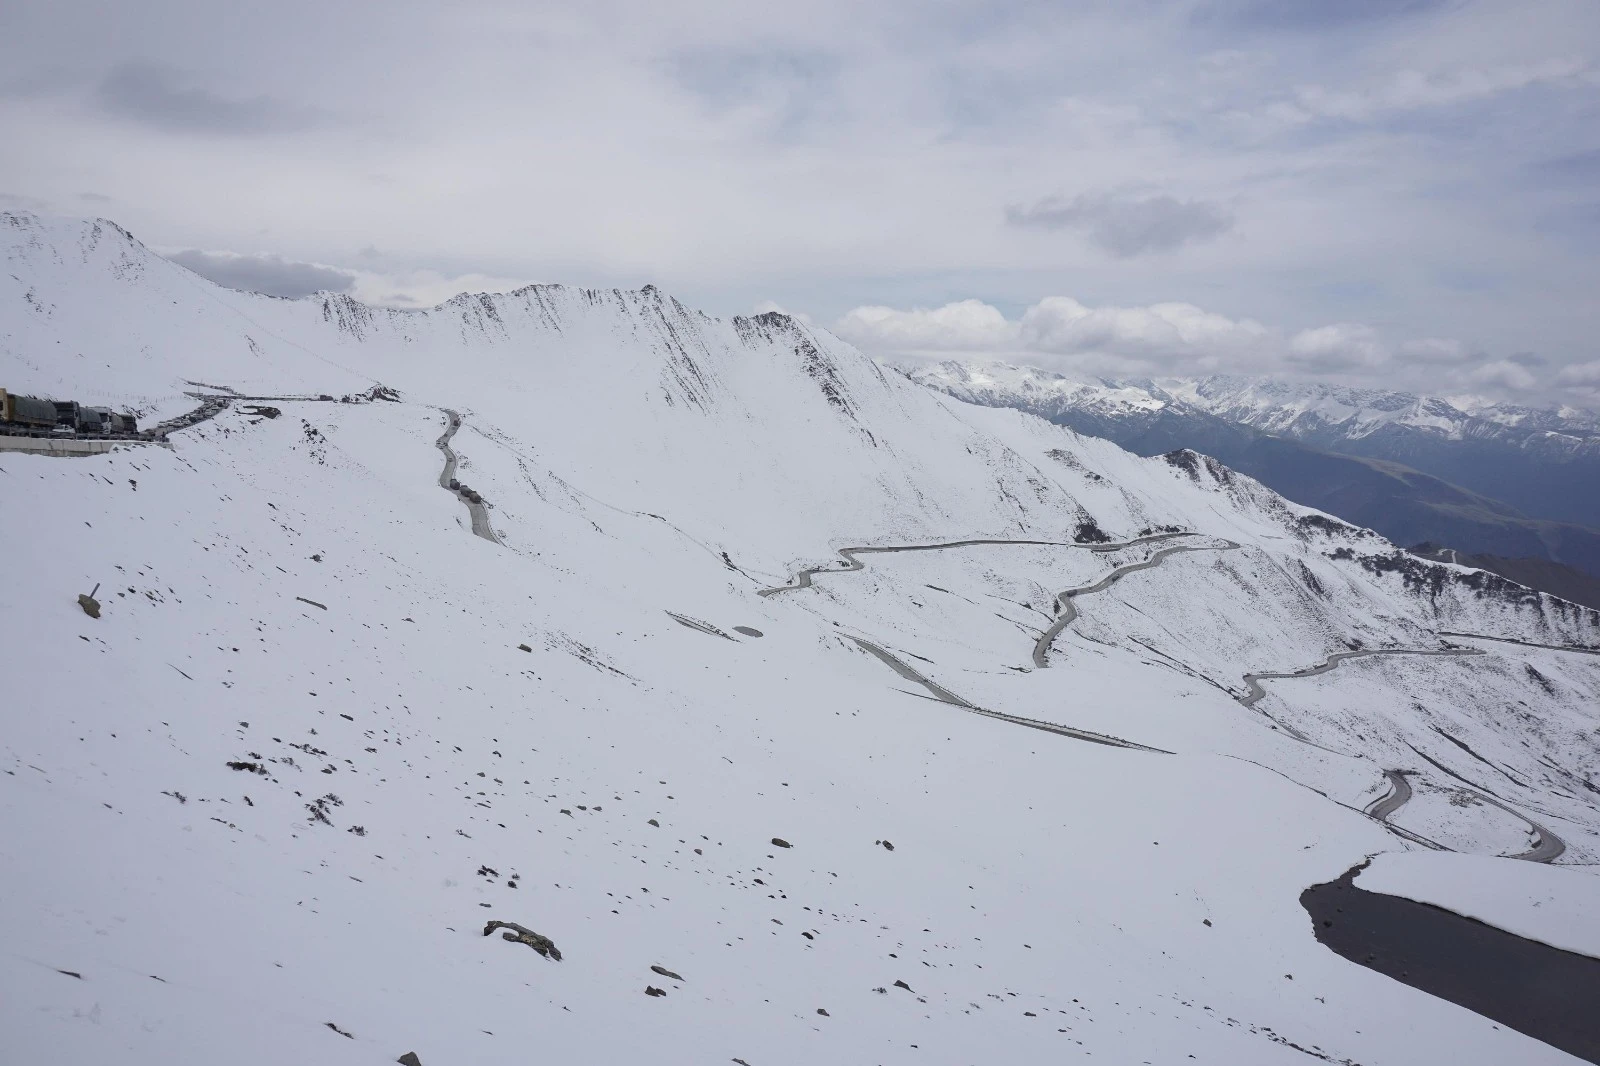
[(26, 414)]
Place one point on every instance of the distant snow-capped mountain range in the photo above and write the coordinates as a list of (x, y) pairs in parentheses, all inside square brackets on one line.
[(1492, 478), (1316, 413)]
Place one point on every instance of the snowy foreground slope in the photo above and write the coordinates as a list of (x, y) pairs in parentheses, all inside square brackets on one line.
[(271, 796)]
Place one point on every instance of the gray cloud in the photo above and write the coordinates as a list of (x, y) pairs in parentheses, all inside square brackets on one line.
[(153, 94), (1427, 167), (1125, 226), (269, 274), (1312, 15)]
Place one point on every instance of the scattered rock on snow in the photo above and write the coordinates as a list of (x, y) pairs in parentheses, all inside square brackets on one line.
[(652, 990), (664, 972), (409, 1059), (90, 605), (519, 934), (779, 842)]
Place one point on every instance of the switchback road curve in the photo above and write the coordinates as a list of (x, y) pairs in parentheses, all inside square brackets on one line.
[(803, 579), (1547, 845), (478, 512), (1066, 612)]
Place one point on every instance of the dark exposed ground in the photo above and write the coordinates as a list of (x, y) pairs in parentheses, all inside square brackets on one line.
[(1557, 579), (1541, 991)]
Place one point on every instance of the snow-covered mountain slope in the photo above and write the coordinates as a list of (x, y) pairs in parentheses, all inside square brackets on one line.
[(1525, 456), (261, 808)]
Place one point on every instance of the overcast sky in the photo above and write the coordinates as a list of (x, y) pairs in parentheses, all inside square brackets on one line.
[(1397, 192)]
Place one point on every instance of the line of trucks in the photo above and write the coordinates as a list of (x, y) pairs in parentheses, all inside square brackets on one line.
[(29, 416)]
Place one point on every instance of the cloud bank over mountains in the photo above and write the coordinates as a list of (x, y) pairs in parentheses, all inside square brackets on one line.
[(1354, 176), (1179, 339)]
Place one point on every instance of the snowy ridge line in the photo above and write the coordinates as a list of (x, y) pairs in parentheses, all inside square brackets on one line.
[(803, 580), (1066, 612), (477, 511), (944, 695)]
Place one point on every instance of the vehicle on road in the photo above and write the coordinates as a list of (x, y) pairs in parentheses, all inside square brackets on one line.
[(35, 417), (26, 414)]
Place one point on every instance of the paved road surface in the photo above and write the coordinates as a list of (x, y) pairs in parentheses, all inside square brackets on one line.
[(478, 511), (1252, 681), (1066, 612), (1524, 643), (1399, 795), (852, 563), (1547, 845), (944, 695)]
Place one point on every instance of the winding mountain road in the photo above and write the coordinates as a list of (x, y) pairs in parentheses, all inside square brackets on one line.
[(1547, 845), (1066, 612), (1256, 692), (1524, 643), (803, 580), (478, 512), (1399, 795)]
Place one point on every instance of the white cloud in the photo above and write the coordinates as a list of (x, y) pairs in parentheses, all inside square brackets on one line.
[(1502, 374), (968, 325), (1581, 373), (1161, 333), (1180, 339), (1160, 338), (1344, 346)]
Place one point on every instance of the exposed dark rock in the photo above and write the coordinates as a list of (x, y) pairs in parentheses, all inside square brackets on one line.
[(90, 605), (652, 990), (823, 1012), (519, 934), (1089, 532), (664, 972), (779, 842), (409, 1059)]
